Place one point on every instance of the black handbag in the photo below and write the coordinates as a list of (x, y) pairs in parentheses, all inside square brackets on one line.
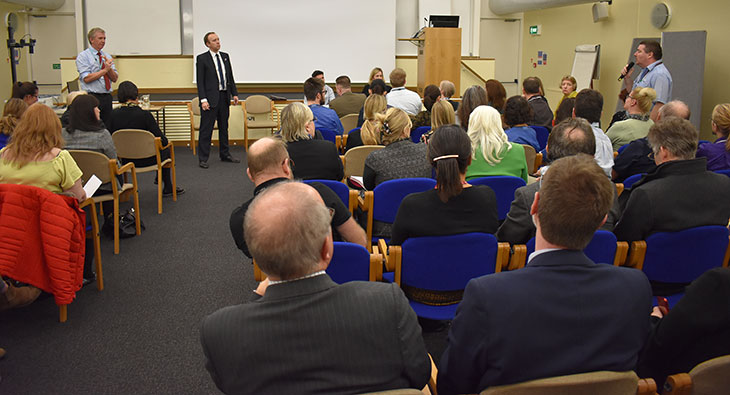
[(127, 227)]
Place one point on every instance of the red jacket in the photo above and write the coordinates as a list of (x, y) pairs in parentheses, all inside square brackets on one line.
[(42, 240)]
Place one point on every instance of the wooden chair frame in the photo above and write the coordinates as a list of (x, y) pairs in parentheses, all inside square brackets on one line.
[(247, 113)]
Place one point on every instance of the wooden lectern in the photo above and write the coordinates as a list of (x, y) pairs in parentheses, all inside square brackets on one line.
[(439, 57)]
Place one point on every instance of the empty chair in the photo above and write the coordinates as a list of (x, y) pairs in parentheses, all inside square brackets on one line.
[(349, 122), (354, 159), (504, 187), (708, 378), (261, 107)]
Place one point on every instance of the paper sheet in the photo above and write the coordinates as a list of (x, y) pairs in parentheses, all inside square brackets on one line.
[(92, 185)]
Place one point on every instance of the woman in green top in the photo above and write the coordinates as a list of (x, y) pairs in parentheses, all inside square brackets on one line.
[(492, 153), (638, 106)]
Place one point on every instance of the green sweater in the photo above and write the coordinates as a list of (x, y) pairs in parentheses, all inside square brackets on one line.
[(626, 131), (513, 163)]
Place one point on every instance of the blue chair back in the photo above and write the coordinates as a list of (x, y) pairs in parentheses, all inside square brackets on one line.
[(418, 132), (337, 187), (504, 187), (601, 249), (542, 134), (328, 135), (354, 129), (681, 257), (630, 180), (622, 148), (725, 172), (388, 195), (350, 262)]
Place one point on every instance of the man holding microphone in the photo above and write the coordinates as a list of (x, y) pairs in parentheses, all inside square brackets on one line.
[(654, 75)]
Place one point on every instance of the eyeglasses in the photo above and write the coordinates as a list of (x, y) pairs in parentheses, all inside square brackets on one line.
[(651, 155), (332, 213)]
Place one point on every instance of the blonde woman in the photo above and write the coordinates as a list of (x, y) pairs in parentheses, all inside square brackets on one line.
[(442, 113), (375, 74), (401, 158), (718, 153), (569, 87), (492, 153), (313, 159), (638, 107), (12, 112), (374, 104)]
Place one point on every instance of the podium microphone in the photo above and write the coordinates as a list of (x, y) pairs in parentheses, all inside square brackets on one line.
[(628, 70)]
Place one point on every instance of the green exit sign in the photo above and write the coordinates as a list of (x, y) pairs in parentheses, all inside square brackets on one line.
[(535, 30), (57, 66)]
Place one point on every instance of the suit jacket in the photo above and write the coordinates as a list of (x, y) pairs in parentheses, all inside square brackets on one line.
[(678, 195), (207, 77), (562, 314), (518, 227), (312, 336)]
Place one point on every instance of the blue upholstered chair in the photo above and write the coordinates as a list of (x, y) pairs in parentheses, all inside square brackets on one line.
[(347, 195), (542, 134), (725, 172), (328, 135), (444, 263), (504, 187), (352, 262), (418, 132), (603, 248), (630, 180)]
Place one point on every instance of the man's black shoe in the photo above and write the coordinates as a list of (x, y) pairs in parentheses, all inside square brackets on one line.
[(230, 159), (180, 191), (203, 165)]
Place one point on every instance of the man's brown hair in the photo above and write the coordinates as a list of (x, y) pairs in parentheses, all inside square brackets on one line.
[(654, 47), (344, 82), (313, 86), (575, 197), (397, 77), (272, 153)]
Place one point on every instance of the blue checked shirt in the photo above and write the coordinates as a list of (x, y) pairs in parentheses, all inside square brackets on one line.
[(658, 78), (87, 62)]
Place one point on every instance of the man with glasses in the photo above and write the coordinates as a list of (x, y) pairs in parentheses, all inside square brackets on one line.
[(269, 164), (326, 118)]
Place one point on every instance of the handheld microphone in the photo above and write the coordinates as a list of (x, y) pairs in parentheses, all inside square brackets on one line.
[(628, 69)]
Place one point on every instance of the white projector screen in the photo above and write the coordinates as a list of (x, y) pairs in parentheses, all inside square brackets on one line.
[(283, 41)]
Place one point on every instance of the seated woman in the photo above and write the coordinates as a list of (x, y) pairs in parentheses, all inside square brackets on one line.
[(85, 130), (374, 104), (474, 97), (12, 112), (377, 87), (718, 153), (492, 153), (516, 114), (401, 158), (26, 91), (454, 207), (313, 159), (375, 74), (70, 99), (496, 94), (34, 157), (431, 95), (638, 106), (442, 113), (568, 85), (131, 116)]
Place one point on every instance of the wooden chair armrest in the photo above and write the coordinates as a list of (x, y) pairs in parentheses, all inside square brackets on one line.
[(88, 201), (502, 257), (376, 267), (622, 251), (637, 254), (128, 167), (342, 158), (646, 387), (383, 250), (727, 255), (395, 255), (338, 142), (678, 384), (519, 257), (615, 154), (432, 380), (619, 188), (538, 160), (354, 200)]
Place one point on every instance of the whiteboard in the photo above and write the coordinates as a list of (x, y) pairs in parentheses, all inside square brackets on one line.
[(585, 64), (136, 27), (283, 41)]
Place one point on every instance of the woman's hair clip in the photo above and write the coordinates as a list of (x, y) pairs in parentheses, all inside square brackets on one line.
[(445, 157)]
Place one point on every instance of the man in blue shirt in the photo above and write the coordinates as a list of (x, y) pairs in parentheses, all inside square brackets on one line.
[(325, 118), (654, 75), (97, 72)]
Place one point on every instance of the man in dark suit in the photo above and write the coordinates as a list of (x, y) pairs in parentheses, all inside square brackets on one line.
[(562, 314), (216, 87), (570, 137), (305, 334)]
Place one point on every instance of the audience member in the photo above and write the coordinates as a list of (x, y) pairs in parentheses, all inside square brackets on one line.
[(570, 137), (442, 113), (492, 153), (69, 99), (569, 86), (679, 194), (542, 115), (130, 116), (325, 118), (635, 158), (496, 94), (399, 96), (697, 329), (474, 97), (85, 130), (329, 95), (718, 153), (401, 158), (517, 113), (589, 105), (455, 206), (562, 314), (377, 87), (654, 75), (318, 337), (26, 91), (638, 106), (448, 89), (564, 110), (313, 158), (374, 104), (13, 110), (375, 74), (431, 95), (346, 102), (269, 164)]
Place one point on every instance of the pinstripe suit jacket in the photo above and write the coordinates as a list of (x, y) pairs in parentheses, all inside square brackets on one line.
[(312, 336)]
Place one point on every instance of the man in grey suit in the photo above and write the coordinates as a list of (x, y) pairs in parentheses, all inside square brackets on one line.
[(303, 333), (570, 137)]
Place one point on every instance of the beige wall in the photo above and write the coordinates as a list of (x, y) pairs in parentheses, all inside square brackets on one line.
[(483, 67), (6, 79), (565, 27)]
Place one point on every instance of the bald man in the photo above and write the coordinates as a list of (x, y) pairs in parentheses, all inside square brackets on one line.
[(269, 164), (303, 333)]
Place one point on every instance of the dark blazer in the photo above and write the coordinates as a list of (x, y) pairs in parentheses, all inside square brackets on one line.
[(207, 77), (562, 314), (678, 195), (315, 159), (518, 227), (313, 336)]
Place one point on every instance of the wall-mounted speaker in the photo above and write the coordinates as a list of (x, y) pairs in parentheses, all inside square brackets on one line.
[(600, 12)]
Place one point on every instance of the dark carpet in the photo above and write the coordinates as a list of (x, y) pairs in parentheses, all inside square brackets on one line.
[(140, 334)]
